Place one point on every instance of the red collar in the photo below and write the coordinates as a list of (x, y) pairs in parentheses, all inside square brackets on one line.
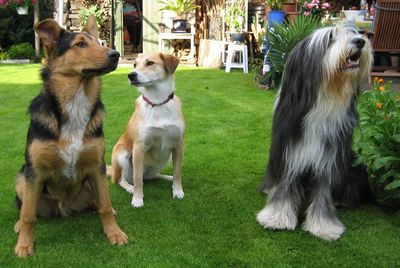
[(170, 97)]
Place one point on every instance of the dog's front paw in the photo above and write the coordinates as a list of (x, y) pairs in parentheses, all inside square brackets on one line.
[(327, 229), (177, 192), (137, 202), (117, 237), (274, 218), (128, 187), (23, 250)]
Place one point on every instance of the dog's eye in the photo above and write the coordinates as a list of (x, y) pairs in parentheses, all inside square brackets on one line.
[(149, 63), (81, 44)]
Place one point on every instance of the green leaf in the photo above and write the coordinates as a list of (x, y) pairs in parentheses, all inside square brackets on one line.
[(393, 185), (396, 137), (385, 162)]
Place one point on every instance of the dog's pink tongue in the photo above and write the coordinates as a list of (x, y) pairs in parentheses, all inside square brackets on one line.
[(351, 63)]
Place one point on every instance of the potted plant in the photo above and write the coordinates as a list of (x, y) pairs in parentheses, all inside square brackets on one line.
[(21, 6), (290, 9), (180, 8), (318, 8), (275, 15), (289, 6), (235, 14), (281, 41)]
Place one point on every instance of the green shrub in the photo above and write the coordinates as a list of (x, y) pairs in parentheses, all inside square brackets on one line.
[(21, 51), (94, 9), (377, 141), (281, 42), (15, 29)]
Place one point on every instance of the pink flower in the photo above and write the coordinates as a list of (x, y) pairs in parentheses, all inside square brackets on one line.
[(306, 13), (326, 6)]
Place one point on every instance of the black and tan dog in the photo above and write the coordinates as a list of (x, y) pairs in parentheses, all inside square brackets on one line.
[(64, 167)]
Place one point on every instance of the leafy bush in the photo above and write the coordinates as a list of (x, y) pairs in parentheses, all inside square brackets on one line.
[(21, 51), (15, 29), (377, 141), (94, 9), (283, 39)]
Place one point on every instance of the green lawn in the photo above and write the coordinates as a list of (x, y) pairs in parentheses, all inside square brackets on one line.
[(227, 139)]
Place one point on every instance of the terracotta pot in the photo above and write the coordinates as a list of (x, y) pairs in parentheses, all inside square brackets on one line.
[(289, 7)]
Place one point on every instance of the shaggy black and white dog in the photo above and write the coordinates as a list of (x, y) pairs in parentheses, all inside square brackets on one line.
[(315, 115)]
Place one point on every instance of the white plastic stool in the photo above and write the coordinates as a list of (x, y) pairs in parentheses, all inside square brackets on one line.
[(243, 59)]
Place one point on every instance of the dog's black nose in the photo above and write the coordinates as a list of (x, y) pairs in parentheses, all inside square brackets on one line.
[(359, 42), (132, 76), (113, 55)]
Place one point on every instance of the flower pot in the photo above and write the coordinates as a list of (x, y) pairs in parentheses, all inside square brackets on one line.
[(22, 10), (289, 7), (238, 37), (179, 25), (275, 16)]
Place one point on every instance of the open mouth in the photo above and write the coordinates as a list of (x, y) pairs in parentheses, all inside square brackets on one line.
[(354, 60), (99, 71)]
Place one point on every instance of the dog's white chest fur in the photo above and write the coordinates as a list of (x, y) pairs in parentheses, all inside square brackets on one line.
[(78, 111), (161, 128)]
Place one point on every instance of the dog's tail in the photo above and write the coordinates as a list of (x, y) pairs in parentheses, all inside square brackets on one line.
[(114, 170), (109, 170)]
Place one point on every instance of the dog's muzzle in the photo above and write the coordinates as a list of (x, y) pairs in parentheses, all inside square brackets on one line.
[(113, 58), (134, 79), (353, 61)]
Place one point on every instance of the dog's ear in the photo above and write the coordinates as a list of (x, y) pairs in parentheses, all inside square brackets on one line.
[(170, 62), (91, 26), (49, 32)]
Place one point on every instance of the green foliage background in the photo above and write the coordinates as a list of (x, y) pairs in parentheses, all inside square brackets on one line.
[(377, 141), (15, 29)]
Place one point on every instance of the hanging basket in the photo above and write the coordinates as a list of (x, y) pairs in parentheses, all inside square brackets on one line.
[(22, 10)]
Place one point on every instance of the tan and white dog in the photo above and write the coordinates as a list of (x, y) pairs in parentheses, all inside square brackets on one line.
[(155, 130)]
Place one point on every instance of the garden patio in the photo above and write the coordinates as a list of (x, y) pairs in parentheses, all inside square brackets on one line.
[(227, 141)]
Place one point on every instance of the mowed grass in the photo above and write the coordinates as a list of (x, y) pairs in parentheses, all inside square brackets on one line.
[(228, 126)]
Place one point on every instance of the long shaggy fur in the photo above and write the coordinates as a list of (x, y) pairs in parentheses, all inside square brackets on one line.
[(315, 115)]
